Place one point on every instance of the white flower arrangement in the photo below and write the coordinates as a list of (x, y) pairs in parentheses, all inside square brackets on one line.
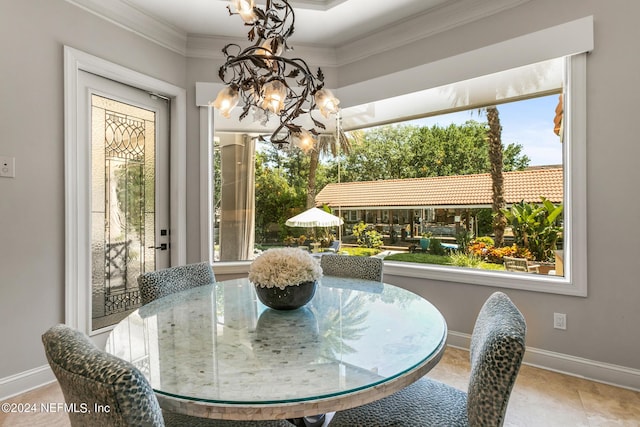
[(282, 267)]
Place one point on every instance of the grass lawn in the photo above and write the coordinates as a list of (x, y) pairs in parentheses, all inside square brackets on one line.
[(420, 258), (359, 251), (439, 260)]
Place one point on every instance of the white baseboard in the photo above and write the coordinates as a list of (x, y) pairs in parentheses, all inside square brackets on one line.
[(606, 373), (25, 381)]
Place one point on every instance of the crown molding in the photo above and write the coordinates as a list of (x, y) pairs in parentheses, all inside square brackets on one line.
[(208, 47), (418, 27), (132, 19), (421, 26)]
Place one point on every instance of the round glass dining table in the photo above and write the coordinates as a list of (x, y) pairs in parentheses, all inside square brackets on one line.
[(216, 352)]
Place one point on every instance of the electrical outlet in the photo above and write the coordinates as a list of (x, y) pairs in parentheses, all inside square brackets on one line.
[(559, 321), (8, 167)]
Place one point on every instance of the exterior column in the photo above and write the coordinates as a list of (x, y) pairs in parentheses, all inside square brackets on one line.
[(237, 219)]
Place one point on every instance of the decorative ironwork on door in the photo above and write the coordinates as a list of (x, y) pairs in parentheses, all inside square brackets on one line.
[(123, 206)]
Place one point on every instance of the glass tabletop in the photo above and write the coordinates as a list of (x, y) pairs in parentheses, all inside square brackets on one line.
[(219, 344)]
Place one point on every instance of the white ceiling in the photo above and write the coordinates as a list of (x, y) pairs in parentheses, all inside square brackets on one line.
[(327, 23), (336, 32)]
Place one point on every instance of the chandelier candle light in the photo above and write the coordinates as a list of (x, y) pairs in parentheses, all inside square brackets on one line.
[(268, 83)]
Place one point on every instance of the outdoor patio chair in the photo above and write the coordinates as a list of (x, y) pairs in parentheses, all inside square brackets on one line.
[(519, 264), (92, 377), (333, 247), (357, 267), (160, 283), (497, 349)]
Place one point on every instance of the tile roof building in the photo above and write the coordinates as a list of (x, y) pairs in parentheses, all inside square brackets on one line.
[(459, 191)]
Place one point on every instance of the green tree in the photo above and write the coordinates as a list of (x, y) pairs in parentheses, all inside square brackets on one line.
[(383, 153), (408, 151), (292, 162), (452, 150), (325, 145), (494, 139), (513, 159), (276, 199)]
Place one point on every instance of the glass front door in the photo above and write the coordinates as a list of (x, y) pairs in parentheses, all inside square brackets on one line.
[(129, 231)]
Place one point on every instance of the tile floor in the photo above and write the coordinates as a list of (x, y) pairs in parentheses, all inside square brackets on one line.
[(540, 398)]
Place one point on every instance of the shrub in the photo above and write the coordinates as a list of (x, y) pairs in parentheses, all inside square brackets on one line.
[(495, 255), (436, 248), (460, 259), (479, 249), (536, 226), (367, 237), (372, 239), (492, 254), (487, 240), (463, 239)]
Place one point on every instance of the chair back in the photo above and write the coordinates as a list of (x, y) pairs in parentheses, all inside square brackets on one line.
[(160, 283), (497, 349), (334, 246), (92, 379), (357, 267)]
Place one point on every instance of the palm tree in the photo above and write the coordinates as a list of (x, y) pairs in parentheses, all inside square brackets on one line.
[(497, 181), (325, 144)]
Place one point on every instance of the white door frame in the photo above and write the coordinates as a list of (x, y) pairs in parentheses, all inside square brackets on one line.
[(77, 175)]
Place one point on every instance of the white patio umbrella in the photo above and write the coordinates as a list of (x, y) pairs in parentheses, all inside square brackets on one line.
[(314, 217)]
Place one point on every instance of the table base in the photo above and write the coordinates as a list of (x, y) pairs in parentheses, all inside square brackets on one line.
[(313, 421)]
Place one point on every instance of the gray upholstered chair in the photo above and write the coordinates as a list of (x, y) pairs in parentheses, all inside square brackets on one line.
[(89, 376), (160, 283), (497, 349), (357, 267)]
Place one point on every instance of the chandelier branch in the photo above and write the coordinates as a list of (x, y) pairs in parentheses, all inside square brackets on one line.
[(267, 83)]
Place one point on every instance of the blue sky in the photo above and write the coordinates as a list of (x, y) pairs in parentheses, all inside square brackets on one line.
[(528, 123)]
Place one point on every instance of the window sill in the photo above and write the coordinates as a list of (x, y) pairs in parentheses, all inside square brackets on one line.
[(221, 268), (522, 281)]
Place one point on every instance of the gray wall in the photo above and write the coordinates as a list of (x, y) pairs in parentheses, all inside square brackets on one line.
[(601, 327), (32, 36)]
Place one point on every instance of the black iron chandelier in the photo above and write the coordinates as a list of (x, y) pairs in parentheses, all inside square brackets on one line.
[(269, 84)]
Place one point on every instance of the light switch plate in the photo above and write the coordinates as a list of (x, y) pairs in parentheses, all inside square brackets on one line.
[(8, 167)]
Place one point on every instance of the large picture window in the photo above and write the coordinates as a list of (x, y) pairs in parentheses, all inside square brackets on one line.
[(419, 168)]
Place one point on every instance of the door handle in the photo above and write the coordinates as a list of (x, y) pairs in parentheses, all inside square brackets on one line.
[(162, 247)]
